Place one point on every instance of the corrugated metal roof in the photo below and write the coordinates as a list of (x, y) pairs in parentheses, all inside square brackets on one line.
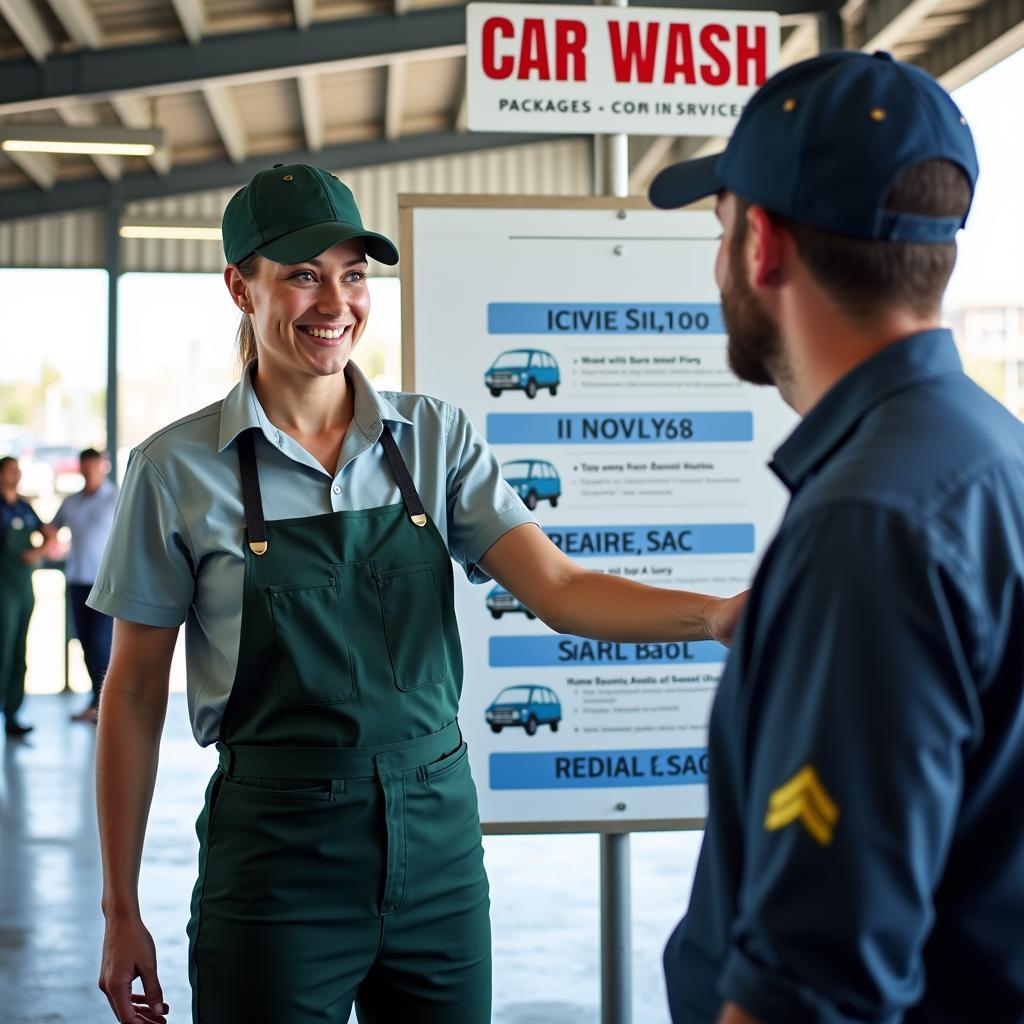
[(352, 100), (270, 110), (122, 21), (433, 88)]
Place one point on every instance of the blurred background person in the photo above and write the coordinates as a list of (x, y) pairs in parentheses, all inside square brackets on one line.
[(88, 515), (19, 555)]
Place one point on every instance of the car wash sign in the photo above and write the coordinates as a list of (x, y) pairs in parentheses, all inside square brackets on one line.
[(640, 71)]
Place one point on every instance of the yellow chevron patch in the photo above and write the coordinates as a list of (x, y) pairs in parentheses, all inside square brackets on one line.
[(803, 799)]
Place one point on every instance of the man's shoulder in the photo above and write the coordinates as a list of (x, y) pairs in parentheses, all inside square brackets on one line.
[(923, 453)]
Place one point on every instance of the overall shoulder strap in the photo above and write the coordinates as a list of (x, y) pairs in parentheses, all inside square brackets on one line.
[(255, 523), (410, 496)]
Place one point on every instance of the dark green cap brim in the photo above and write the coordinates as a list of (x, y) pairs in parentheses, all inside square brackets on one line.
[(310, 241)]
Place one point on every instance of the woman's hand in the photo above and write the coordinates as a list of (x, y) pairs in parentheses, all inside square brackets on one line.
[(129, 953), (721, 616)]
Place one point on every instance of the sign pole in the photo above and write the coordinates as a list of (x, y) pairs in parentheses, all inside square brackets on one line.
[(612, 153)]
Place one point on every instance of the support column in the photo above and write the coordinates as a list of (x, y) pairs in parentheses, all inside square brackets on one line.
[(611, 165), (112, 239)]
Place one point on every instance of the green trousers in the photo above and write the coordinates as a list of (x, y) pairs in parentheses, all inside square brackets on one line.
[(16, 603), (316, 894)]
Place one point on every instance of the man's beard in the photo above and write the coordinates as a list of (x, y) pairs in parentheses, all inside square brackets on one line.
[(756, 352)]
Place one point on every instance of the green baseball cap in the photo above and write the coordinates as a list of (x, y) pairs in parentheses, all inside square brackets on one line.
[(294, 212)]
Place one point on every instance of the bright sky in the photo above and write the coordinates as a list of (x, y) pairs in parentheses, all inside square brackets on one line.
[(201, 319), (989, 267)]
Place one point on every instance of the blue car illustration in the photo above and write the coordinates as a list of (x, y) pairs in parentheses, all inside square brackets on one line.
[(528, 706), (523, 369), (499, 601), (533, 480)]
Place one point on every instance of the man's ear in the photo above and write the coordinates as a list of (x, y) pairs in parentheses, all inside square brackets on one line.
[(765, 248)]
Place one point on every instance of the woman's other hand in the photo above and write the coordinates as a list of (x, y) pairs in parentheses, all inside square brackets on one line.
[(129, 953), (721, 615)]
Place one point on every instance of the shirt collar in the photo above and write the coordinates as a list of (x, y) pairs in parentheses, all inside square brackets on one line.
[(241, 409), (905, 364)]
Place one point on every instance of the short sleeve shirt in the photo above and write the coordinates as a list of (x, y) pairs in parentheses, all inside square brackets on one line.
[(175, 553), (864, 854), (89, 518)]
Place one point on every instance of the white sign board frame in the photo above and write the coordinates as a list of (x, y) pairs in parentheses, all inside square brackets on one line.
[(482, 275), (632, 70)]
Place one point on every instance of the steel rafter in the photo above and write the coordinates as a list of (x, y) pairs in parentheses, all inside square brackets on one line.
[(95, 192)]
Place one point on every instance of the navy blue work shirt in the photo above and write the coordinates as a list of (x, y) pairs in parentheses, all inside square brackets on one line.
[(19, 509), (16, 515), (864, 854)]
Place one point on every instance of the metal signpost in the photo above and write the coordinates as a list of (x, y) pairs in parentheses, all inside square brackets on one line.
[(563, 69)]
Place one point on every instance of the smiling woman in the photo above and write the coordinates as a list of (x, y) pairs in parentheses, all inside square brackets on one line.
[(304, 527)]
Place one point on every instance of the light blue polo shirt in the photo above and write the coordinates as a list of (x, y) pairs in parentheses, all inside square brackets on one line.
[(175, 552), (88, 517)]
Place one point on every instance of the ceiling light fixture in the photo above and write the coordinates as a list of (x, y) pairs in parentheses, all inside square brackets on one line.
[(92, 140), (187, 232)]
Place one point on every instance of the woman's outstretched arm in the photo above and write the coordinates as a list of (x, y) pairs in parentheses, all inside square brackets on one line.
[(571, 599)]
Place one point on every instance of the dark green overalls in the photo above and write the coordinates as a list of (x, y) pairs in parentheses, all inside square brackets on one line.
[(340, 857), (16, 603)]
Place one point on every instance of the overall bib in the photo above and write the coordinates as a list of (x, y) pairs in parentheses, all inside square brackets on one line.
[(340, 856), (16, 603)]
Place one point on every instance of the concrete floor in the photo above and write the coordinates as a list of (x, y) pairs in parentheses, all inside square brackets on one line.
[(51, 929), (546, 966)]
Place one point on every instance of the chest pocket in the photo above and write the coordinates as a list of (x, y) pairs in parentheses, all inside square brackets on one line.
[(411, 605), (312, 661)]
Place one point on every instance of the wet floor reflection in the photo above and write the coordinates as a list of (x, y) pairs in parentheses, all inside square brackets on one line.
[(546, 964)]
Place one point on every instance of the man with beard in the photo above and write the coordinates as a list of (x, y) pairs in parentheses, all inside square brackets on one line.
[(864, 854)]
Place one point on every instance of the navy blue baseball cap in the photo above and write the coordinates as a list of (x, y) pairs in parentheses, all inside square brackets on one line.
[(823, 141)]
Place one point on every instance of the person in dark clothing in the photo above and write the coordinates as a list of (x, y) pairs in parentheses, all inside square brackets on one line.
[(19, 554), (864, 853)]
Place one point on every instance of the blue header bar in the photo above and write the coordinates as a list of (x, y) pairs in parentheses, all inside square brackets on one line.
[(619, 427), (699, 539), (604, 318), (600, 769), (547, 651)]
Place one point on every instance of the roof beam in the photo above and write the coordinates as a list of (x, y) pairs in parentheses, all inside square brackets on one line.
[(30, 29), (461, 114), (650, 160), (312, 116), (78, 195), (393, 102), (40, 167), (882, 24), (224, 111), (192, 18), (270, 54), (135, 112), (993, 33), (79, 22), (304, 11), (79, 114), (801, 41)]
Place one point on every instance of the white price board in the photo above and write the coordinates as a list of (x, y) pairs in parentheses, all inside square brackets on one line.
[(641, 71), (584, 338)]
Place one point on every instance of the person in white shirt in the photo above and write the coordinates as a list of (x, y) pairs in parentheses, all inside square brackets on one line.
[(88, 515)]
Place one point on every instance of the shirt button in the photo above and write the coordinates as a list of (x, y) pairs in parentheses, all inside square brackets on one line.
[(336, 489)]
